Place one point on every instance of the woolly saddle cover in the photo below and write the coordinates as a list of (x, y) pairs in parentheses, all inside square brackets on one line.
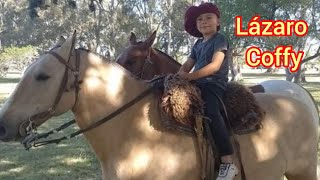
[(181, 102)]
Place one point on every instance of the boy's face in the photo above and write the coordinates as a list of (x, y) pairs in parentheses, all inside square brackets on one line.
[(207, 23)]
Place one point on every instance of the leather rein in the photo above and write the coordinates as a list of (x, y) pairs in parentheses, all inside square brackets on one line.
[(33, 139)]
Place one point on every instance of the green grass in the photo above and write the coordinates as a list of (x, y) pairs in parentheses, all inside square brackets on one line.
[(9, 80), (3, 97), (72, 159)]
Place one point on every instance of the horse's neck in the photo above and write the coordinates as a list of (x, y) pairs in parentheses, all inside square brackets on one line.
[(105, 85), (105, 88), (164, 64)]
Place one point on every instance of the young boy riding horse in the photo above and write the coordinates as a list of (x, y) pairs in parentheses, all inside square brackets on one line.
[(208, 57)]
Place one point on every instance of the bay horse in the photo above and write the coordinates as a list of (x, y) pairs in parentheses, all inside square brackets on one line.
[(133, 144), (146, 62)]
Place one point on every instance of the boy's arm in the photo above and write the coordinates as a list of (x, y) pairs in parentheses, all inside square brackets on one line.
[(187, 66), (209, 69)]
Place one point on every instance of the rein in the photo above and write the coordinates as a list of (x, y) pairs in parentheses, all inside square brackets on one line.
[(32, 139)]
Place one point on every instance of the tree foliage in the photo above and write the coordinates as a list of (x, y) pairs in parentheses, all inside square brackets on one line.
[(18, 57)]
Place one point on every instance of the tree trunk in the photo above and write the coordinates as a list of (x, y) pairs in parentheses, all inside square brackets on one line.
[(303, 78), (303, 74), (298, 76), (170, 29), (289, 75), (233, 66)]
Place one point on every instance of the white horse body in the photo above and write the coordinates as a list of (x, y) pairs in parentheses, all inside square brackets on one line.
[(289, 89)]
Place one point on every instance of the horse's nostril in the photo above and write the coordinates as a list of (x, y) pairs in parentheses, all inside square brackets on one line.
[(3, 131)]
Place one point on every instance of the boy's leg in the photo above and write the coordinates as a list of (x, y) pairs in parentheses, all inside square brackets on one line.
[(227, 169), (212, 111)]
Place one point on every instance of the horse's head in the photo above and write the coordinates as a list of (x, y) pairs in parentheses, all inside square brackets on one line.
[(41, 93), (136, 57)]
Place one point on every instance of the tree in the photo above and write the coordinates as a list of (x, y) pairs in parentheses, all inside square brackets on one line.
[(17, 58)]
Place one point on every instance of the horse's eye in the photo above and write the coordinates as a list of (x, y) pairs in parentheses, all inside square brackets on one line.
[(42, 77)]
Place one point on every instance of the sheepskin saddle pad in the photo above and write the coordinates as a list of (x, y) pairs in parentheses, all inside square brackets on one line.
[(181, 103)]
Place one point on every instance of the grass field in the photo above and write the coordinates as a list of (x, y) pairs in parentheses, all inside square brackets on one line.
[(72, 159)]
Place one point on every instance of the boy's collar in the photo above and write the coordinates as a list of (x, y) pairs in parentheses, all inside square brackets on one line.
[(212, 36)]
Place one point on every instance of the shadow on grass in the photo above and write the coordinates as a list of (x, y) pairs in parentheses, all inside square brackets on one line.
[(71, 159)]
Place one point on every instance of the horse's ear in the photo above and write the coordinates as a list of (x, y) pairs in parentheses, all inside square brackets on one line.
[(148, 43), (68, 46), (133, 39), (60, 41)]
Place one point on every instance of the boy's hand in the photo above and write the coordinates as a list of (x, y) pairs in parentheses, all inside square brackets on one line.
[(184, 75)]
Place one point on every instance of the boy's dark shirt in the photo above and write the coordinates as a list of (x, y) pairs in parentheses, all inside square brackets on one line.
[(202, 53)]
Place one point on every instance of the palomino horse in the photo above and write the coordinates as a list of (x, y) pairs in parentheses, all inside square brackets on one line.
[(134, 144), (147, 62)]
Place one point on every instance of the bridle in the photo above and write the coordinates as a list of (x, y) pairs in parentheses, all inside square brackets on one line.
[(147, 62), (30, 125), (33, 138), (36, 119)]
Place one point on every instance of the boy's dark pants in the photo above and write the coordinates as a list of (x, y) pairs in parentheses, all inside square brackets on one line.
[(212, 111)]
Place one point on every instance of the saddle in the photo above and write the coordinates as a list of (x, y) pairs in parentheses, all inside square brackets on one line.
[(181, 103), (181, 109)]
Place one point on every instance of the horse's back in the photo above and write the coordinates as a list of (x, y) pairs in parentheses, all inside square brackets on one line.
[(289, 117), (295, 91), (287, 142)]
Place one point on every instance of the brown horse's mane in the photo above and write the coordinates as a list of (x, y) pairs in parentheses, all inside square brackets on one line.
[(172, 60)]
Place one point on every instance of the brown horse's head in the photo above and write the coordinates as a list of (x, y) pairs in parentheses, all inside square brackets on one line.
[(136, 57), (144, 61), (35, 95)]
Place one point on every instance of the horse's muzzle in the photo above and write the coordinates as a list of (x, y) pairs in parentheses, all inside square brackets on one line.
[(6, 133), (3, 132)]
